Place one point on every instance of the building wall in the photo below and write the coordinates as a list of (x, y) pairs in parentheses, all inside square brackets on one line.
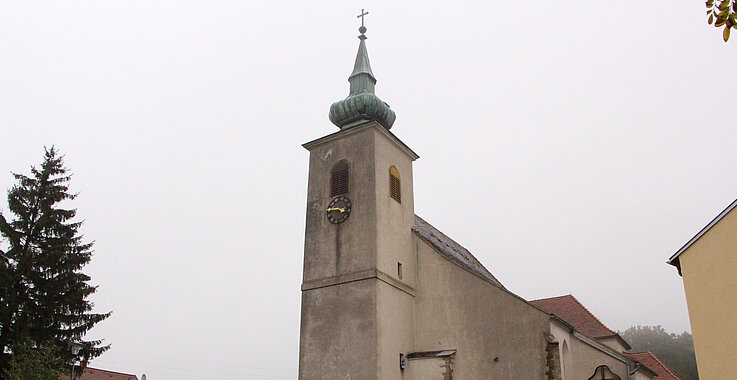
[(394, 219), (613, 343), (458, 310), (338, 332), (357, 311), (586, 358), (581, 360), (349, 247), (396, 333), (426, 369), (640, 376), (709, 269)]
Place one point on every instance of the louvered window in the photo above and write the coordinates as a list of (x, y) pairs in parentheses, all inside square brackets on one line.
[(395, 188), (339, 179)]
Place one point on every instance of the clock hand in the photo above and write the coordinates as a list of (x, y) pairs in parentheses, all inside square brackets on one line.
[(342, 210)]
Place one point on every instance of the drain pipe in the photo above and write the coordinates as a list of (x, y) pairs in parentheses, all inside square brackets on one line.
[(637, 367)]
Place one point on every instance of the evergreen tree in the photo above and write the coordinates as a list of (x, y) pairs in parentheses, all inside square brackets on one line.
[(43, 292), (31, 362)]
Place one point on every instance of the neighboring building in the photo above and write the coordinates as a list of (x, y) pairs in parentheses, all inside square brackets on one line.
[(661, 372), (588, 349), (708, 265), (385, 295), (101, 374)]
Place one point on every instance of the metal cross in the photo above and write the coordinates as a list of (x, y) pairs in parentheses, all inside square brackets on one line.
[(363, 13)]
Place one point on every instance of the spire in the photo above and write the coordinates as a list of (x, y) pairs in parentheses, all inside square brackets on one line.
[(362, 79), (361, 105)]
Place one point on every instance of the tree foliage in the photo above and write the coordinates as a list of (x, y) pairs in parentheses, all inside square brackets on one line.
[(30, 362), (675, 351), (43, 291), (722, 13)]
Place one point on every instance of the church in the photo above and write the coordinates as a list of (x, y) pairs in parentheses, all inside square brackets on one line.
[(385, 295)]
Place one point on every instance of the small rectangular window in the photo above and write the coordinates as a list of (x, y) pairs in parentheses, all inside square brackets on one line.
[(399, 269)]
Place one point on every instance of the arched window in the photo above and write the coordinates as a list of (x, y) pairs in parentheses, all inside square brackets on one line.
[(565, 359), (339, 179), (395, 187)]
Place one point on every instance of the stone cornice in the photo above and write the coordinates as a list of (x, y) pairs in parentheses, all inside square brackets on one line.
[(358, 276), (347, 132)]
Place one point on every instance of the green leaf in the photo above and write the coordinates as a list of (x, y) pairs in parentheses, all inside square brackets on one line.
[(711, 19), (720, 22), (726, 34)]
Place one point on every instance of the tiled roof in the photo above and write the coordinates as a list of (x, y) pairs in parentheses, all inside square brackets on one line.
[(101, 374), (452, 250), (574, 313), (653, 363)]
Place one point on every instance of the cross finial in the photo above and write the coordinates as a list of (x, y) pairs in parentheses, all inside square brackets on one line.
[(363, 13)]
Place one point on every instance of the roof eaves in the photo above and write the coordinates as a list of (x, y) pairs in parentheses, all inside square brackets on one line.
[(637, 356), (673, 260), (558, 319)]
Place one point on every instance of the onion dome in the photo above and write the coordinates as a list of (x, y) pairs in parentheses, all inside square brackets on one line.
[(361, 105)]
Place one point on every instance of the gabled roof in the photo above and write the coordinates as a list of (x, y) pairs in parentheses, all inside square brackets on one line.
[(652, 363), (101, 374), (674, 260), (452, 251), (574, 313)]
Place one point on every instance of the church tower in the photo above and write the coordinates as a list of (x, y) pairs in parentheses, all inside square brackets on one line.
[(359, 282)]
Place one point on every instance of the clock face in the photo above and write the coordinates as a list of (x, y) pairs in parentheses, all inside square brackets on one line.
[(339, 209)]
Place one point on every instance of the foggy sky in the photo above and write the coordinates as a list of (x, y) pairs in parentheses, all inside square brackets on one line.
[(571, 146)]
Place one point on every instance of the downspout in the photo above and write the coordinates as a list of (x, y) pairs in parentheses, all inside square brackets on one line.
[(637, 367)]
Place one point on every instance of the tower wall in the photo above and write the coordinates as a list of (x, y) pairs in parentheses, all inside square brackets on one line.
[(337, 249), (357, 310)]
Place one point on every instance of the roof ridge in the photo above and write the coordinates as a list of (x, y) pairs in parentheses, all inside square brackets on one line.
[(550, 298)]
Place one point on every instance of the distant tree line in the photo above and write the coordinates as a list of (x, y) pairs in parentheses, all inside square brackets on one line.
[(675, 351)]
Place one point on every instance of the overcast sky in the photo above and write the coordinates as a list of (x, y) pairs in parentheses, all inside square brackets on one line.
[(572, 146)]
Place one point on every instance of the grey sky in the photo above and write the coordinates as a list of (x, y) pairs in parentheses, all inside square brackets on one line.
[(572, 146)]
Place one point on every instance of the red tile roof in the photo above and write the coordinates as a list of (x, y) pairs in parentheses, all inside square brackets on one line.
[(101, 374), (574, 313), (653, 363)]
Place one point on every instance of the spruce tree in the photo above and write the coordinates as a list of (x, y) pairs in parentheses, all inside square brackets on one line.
[(43, 291)]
